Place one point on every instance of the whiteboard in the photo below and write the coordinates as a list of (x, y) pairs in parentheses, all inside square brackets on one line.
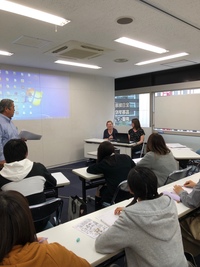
[(177, 112)]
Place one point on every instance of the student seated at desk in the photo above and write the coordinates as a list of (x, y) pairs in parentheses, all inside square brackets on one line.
[(19, 244), (110, 132), (148, 230), (115, 168), (191, 237), (18, 168), (158, 158), (17, 175)]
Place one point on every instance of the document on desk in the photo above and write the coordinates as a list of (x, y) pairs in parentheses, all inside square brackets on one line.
[(108, 217), (175, 145), (174, 196), (29, 135), (91, 228)]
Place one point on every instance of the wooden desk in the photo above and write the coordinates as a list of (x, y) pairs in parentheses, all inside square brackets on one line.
[(61, 181), (88, 180), (93, 144), (66, 234)]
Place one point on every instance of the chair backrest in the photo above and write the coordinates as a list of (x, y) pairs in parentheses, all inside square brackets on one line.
[(28, 186), (123, 186), (177, 175), (44, 210)]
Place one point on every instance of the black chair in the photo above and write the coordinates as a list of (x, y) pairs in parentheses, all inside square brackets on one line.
[(191, 259), (177, 175), (121, 188), (41, 213)]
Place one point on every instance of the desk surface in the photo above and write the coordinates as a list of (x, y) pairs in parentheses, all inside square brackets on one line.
[(184, 153), (67, 235), (61, 179), (82, 172), (99, 141), (182, 210)]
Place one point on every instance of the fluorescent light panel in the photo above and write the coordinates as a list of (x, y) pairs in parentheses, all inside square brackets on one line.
[(77, 64), (5, 53), (32, 13), (162, 58), (141, 45)]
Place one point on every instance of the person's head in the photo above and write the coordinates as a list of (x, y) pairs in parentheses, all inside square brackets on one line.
[(15, 150), (109, 125), (136, 124), (7, 107), (105, 149), (156, 144), (143, 183), (17, 227)]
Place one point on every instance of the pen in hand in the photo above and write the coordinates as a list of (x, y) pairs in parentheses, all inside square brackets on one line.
[(42, 239)]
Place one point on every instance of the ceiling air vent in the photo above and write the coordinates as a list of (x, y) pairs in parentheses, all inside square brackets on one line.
[(78, 50)]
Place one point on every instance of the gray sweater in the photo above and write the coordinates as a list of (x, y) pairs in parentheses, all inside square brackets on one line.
[(161, 165), (150, 234), (191, 200)]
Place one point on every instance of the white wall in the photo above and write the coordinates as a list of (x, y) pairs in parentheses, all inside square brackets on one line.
[(91, 105)]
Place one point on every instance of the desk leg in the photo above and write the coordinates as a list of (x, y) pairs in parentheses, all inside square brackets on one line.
[(83, 189)]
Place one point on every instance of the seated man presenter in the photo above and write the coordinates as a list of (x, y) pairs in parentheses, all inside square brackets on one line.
[(7, 128)]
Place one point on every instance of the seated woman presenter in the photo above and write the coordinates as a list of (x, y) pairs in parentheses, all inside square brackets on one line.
[(158, 158), (148, 230), (110, 132), (115, 168), (19, 244), (191, 239), (136, 135)]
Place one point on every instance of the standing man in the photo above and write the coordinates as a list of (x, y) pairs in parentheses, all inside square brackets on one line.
[(7, 129)]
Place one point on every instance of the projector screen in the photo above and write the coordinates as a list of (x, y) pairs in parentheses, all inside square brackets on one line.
[(36, 95)]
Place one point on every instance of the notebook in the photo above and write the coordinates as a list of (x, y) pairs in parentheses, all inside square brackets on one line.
[(122, 138)]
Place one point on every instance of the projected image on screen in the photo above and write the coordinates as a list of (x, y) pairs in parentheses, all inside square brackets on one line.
[(36, 95)]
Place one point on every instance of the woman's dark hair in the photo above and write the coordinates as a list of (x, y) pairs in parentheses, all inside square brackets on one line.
[(105, 149), (143, 183), (16, 223), (156, 144), (15, 150), (136, 123)]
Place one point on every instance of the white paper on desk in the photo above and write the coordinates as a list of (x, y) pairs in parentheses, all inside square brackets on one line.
[(175, 145), (91, 228), (29, 136), (108, 217)]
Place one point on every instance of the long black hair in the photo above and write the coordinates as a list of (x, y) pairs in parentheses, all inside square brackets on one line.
[(143, 183)]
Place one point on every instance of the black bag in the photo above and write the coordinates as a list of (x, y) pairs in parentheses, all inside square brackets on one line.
[(76, 208)]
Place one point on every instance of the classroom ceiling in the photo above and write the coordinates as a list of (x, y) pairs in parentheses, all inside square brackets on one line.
[(173, 25)]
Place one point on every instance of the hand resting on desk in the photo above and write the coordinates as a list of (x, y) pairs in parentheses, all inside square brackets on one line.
[(179, 188)]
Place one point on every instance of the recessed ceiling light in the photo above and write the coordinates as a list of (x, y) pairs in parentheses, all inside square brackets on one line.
[(77, 64), (32, 13), (162, 58), (5, 53), (124, 20), (121, 60), (141, 45)]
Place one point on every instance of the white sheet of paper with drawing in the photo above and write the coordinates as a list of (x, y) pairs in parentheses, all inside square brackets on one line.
[(91, 228), (29, 136)]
